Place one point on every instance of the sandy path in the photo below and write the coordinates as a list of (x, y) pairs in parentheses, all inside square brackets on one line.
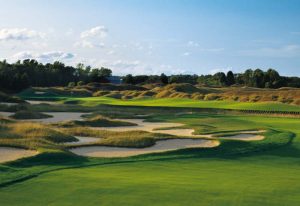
[(160, 146), (10, 153)]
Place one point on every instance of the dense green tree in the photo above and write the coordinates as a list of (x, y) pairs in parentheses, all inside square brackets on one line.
[(230, 78), (164, 78), (259, 78), (128, 79)]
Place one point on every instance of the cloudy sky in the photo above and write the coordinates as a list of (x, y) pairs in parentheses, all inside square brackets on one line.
[(155, 36)]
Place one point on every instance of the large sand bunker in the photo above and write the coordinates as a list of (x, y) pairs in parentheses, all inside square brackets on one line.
[(160, 146), (9, 153), (158, 127)]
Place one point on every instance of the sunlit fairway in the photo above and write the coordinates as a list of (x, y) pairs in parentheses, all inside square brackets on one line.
[(167, 102)]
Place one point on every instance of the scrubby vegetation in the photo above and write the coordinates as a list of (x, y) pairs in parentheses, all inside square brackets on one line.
[(183, 91), (95, 121), (27, 114), (31, 135)]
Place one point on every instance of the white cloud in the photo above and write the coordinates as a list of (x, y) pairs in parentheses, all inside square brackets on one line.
[(44, 57), (286, 51), (98, 31), (110, 52), (19, 34), (212, 50), (186, 54), (88, 44), (193, 44)]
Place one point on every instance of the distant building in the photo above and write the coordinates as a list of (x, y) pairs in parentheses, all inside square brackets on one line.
[(115, 80)]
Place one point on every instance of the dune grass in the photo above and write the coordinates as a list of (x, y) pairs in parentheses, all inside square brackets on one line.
[(31, 135), (95, 121), (27, 114)]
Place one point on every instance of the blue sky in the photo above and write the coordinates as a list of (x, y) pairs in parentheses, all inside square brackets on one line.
[(155, 36)]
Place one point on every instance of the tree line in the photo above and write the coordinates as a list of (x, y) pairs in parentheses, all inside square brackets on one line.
[(23, 74), (26, 73), (251, 78)]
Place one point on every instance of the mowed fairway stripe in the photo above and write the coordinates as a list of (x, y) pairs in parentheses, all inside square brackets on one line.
[(247, 181)]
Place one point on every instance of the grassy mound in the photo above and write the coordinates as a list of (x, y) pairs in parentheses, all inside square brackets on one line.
[(48, 93), (96, 121), (136, 139), (26, 114), (8, 98), (113, 87)]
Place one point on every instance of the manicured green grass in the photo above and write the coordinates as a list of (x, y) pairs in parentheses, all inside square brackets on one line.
[(167, 102), (245, 181)]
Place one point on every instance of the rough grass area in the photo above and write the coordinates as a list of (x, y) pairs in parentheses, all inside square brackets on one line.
[(31, 135), (95, 121), (177, 91), (27, 114)]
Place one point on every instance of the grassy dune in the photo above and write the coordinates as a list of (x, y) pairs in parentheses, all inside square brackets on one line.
[(95, 121), (27, 114)]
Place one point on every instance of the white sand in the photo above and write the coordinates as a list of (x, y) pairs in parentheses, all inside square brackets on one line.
[(9, 103), (157, 127), (61, 116), (160, 146), (245, 137), (42, 102), (11, 153), (83, 140), (6, 114), (141, 125)]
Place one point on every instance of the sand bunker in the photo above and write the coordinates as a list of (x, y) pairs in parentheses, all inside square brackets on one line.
[(245, 137), (141, 125), (160, 146), (157, 127), (9, 103), (42, 102), (61, 116), (6, 114), (83, 140), (10, 153)]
